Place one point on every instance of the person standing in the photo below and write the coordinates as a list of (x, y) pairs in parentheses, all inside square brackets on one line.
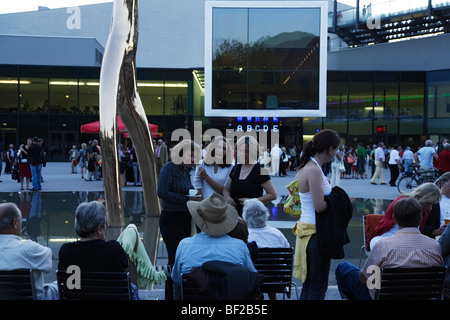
[(408, 159), (443, 161), (394, 165), (275, 154), (174, 183), (213, 172), (379, 164), (161, 155), (425, 157), (361, 154), (73, 155), (24, 165), (10, 157), (83, 160), (35, 159), (311, 265), (336, 169)]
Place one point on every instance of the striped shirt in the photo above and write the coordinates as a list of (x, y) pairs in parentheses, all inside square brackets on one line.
[(407, 248)]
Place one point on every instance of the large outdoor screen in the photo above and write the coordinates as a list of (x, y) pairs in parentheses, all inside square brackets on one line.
[(265, 58)]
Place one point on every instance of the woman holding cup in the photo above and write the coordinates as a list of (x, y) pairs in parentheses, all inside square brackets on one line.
[(174, 185), (212, 173)]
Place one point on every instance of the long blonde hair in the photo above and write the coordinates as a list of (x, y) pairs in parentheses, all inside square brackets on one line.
[(427, 193)]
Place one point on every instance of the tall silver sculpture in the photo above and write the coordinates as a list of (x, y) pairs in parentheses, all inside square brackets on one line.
[(119, 96)]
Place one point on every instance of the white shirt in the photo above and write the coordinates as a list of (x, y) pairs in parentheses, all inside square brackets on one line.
[(221, 177), (379, 153), (267, 237), (394, 155), (18, 254)]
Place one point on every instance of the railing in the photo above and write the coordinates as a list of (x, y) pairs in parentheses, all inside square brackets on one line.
[(382, 10)]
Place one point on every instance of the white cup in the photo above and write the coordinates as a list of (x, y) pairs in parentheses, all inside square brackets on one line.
[(193, 192)]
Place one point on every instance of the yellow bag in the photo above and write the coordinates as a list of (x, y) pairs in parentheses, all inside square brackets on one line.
[(292, 204)]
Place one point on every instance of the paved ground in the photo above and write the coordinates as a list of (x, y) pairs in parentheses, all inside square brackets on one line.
[(58, 177)]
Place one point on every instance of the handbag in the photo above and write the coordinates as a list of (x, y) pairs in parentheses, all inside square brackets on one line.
[(341, 167), (350, 160), (292, 205)]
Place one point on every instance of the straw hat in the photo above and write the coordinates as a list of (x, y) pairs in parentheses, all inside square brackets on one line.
[(214, 215)]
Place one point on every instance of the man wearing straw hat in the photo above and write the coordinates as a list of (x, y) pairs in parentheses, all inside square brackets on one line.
[(216, 218)]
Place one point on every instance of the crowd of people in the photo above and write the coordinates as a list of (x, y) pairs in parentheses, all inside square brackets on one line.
[(220, 214)]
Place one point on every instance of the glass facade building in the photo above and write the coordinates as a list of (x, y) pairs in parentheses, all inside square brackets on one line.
[(394, 107)]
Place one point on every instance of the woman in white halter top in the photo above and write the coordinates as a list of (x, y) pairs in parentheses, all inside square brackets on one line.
[(310, 265)]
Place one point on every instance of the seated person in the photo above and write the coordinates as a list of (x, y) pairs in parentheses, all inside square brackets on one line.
[(256, 214), (435, 224), (427, 194), (216, 219), (18, 254), (92, 253), (407, 248)]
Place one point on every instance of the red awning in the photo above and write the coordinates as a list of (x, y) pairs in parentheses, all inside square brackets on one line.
[(94, 127)]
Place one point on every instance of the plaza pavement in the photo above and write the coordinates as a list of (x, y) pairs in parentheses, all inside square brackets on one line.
[(58, 177)]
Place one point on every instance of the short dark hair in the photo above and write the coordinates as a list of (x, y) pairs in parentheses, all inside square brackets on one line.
[(407, 212)]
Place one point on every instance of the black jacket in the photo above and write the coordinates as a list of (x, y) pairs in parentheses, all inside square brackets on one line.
[(331, 225)]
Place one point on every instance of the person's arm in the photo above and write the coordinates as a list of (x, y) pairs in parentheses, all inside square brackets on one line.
[(314, 178), (227, 193)]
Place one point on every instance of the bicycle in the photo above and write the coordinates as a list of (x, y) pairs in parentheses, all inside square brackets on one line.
[(413, 179)]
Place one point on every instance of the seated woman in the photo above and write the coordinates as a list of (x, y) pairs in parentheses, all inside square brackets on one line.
[(92, 253), (427, 194), (256, 214)]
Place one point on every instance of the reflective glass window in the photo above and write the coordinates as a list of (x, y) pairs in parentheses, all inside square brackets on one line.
[(89, 82), (9, 88), (412, 91), (63, 91), (33, 88), (360, 111)]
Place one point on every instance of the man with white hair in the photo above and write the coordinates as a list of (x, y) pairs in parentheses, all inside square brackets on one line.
[(425, 157)]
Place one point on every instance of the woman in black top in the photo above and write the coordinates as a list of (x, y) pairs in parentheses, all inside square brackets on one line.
[(247, 179), (92, 253)]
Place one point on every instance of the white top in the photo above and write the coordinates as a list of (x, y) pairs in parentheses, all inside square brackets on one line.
[(393, 155), (308, 211), (221, 177), (267, 237), (379, 154)]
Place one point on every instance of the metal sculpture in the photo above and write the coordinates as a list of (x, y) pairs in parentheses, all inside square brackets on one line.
[(119, 96)]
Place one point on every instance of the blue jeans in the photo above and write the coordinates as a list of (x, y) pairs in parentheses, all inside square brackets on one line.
[(318, 264), (36, 171), (347, 279)]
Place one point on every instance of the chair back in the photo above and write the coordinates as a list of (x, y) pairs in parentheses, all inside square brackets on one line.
[(17, 285), (411, 283), (275, 264), (95, 286)]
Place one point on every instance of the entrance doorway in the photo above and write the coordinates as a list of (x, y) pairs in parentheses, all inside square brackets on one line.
[(59, 144)]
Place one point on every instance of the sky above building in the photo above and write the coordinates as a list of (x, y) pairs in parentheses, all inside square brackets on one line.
[(33, 5)]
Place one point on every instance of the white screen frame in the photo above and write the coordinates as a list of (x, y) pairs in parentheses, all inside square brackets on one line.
[(320, 112)]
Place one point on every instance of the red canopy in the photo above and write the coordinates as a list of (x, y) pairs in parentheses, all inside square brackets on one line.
[(94, 127)]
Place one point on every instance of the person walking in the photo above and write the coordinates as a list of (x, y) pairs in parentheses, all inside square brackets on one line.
[(394, 165), (379, 164), (35, 159), (73, 155)]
